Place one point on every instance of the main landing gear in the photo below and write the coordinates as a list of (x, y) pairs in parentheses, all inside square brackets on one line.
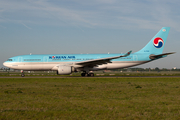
[(22, 73), (84, 74)]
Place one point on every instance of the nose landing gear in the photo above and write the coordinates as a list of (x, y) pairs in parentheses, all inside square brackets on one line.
[(22, 73)]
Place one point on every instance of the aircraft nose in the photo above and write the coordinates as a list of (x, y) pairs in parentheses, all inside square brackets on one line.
[(5, 64)]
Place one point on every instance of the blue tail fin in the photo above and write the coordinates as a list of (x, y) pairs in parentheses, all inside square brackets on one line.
[(157, 43)]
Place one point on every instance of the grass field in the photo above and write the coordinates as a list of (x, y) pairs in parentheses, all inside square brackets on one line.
[(90, 98)]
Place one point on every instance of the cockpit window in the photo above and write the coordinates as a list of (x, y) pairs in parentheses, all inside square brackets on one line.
[(9, 60)]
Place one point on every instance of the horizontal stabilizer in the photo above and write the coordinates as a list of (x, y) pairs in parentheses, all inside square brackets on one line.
[(152, 57)]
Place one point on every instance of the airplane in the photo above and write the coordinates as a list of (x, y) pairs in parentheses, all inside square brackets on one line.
[(65, 64)]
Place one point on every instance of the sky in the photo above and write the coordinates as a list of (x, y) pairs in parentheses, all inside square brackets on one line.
[(87, 26)]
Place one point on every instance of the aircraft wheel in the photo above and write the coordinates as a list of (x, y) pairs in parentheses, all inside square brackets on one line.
[(86, 74), (91, 74), (82, 74), (22, 75)]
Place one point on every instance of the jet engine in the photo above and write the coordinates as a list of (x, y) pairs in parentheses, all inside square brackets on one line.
[(65, 70)]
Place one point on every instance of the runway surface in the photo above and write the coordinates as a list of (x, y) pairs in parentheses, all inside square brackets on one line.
[(91, 77)]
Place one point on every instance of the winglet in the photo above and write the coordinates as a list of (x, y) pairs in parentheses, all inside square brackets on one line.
[(127, 54)]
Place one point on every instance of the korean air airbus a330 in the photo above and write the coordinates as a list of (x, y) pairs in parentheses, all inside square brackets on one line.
[(67, 63)]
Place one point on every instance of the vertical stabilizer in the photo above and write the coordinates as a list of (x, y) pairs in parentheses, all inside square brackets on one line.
[(157, 43)]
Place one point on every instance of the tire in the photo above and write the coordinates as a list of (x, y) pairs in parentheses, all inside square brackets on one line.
[(91, 74), (22, 75), (86, 75), (82, 74)]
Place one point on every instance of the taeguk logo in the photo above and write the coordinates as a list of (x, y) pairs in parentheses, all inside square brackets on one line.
[(158, 42)]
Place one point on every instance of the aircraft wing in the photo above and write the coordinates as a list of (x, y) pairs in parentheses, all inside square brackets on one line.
[(91, 63), (160, 55)]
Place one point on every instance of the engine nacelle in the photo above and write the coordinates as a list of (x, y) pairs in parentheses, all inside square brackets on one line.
[(64, 70)]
